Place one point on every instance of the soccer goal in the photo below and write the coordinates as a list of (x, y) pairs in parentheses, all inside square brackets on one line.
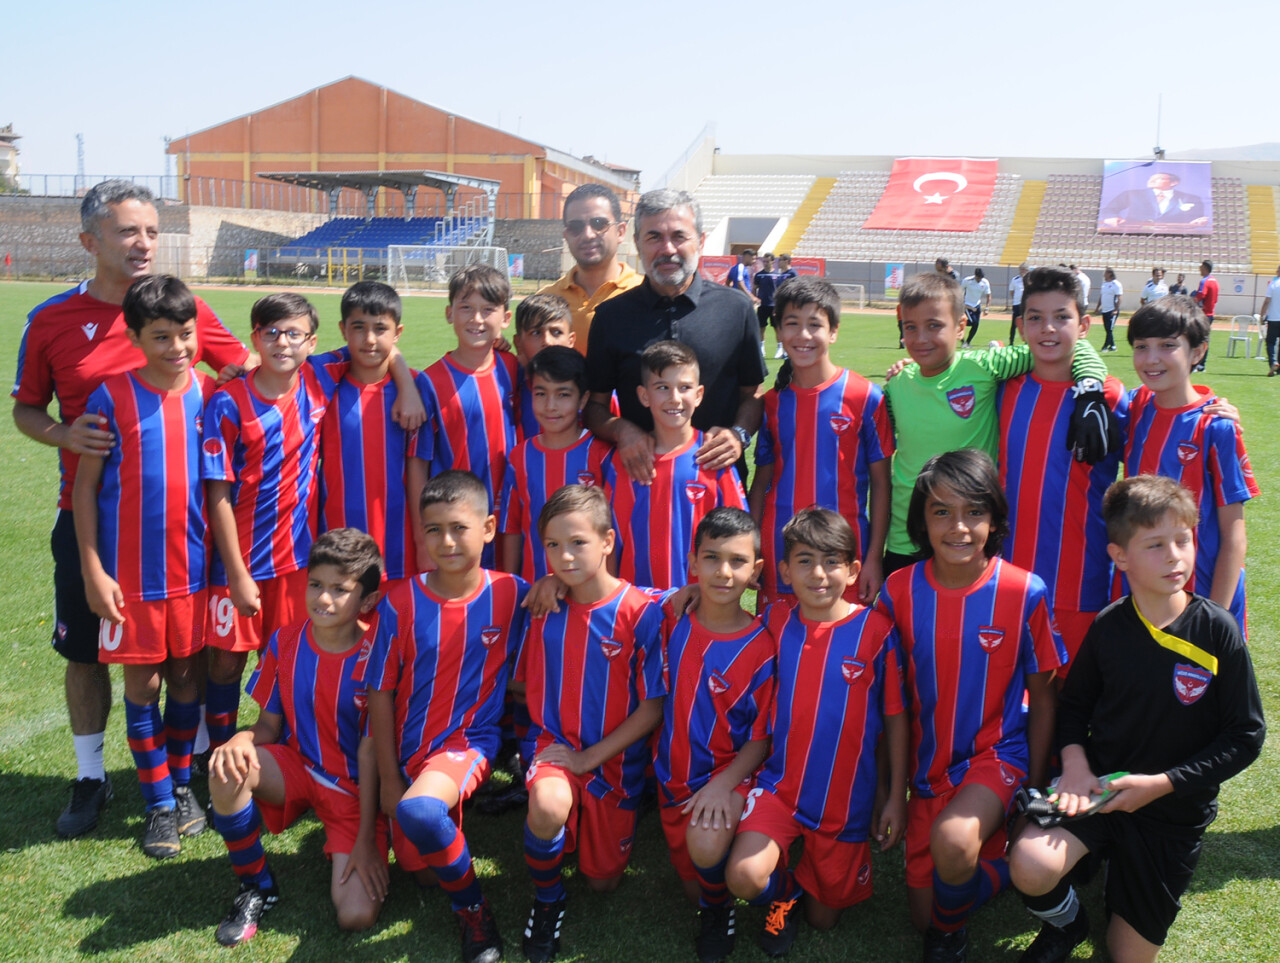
[(855, 294), (423, 267)]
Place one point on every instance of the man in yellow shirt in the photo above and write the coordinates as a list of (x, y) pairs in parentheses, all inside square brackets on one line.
[(593, 228)]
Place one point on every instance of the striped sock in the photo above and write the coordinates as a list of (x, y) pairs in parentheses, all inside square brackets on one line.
[(222, 708), (711, 879), (241, 832), (426, 822), (180, 722), (952, 904), (782, 886), (146, 741), (543, 857), (993, 879)]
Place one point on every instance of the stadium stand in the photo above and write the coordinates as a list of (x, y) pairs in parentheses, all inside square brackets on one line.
[(1018, 245), (836, 231), (1263, 243), (377, 233), (1067, 231), (750, 195), (806, 212)]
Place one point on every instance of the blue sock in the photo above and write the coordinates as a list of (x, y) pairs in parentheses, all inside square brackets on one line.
[(181, 719), (952, 904), (241, 832), (782, 886), (711, 879), (426, 822), (222, 709), (543, 857), (146, 741)]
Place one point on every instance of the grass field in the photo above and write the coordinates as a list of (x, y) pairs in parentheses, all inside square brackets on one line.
[(100, 896)]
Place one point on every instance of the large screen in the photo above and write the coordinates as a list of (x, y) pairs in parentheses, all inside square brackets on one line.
[(1156, 197)]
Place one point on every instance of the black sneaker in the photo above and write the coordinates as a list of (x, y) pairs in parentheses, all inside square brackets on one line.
[(88, 796), (1054, 944), (940, 947), (542, 933), (715, 933), (191, 817), (480, 940), (242, 921), (160, 837), (200, 763), (501, 800), (780, 927)]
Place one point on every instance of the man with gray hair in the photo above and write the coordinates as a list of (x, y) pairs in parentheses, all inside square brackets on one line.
[(70, 344), (675, 303)]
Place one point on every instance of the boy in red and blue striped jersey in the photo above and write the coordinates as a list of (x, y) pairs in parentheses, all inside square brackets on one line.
[(371, 469), (591, 674), (437, 676), (1172, 432), (472, 408), (308, 750), (260, 461), (140, 523), (976, 634), (542, 321), (838, 688), (561, 453), (826, 440), (655, 522), (719, 671)]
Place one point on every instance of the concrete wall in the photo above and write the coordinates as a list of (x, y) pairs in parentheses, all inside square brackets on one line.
[(220, 236)]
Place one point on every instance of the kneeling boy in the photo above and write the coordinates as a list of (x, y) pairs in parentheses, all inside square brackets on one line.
[(838, 687), (1162, 690), (307, 750)]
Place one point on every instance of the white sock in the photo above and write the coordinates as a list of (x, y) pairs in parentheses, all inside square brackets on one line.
[(202, 734), (89, 756)]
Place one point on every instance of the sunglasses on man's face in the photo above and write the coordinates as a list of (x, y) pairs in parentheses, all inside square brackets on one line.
[(597, 224)]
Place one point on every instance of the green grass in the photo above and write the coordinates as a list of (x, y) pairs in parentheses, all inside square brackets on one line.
[(100, 896)]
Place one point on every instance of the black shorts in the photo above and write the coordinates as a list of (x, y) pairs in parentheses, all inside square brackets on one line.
[(1149, 867), (764, 313), (75, 627)]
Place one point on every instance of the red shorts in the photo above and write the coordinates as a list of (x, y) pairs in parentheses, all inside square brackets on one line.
[(835, 873), (283, 601), (467, 769), (923, 811), (1072, 626), (675, 826), (154, 632), (338, 811), (600, 830)]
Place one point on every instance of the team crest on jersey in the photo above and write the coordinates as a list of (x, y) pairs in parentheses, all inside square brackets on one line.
[(610, 648), (199, 424), (852, 669), (1007, 777), (840, 423), (317, 415), (586, 478), (1187, 451), (366, 650), (90, 330), (1190, 683), (694, 491), (864, 874), (213, 446), (717, 683), (961, 400), (490, 634), (361, 699), (990, 637)]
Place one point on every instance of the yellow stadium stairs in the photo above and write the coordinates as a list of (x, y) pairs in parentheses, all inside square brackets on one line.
[(1017, 246), (805, 212), (1263, 241)]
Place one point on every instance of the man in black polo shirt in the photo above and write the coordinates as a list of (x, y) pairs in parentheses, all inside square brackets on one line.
[(674, 302)]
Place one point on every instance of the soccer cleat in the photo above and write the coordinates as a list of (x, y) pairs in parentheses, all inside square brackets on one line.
[(542, 933), (715, 934), (242, 922), (1054, 944), (200, 763), (480, 940), (191, 817), (88, 796), (940, 947), (514, 796), (160, 837), (780, 927)]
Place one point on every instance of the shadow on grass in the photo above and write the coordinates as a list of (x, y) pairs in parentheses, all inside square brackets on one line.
[(1237, 855), (32, 805)]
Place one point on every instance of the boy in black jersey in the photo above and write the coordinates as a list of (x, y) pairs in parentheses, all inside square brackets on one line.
[(1162, 690)]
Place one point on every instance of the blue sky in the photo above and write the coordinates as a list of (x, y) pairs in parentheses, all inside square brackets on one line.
[(635, 83)]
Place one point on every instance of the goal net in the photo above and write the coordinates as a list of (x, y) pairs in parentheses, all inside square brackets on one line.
[(855, 294), (423, 267)]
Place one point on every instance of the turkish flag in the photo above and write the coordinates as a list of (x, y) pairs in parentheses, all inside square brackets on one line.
[(935, 194)]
